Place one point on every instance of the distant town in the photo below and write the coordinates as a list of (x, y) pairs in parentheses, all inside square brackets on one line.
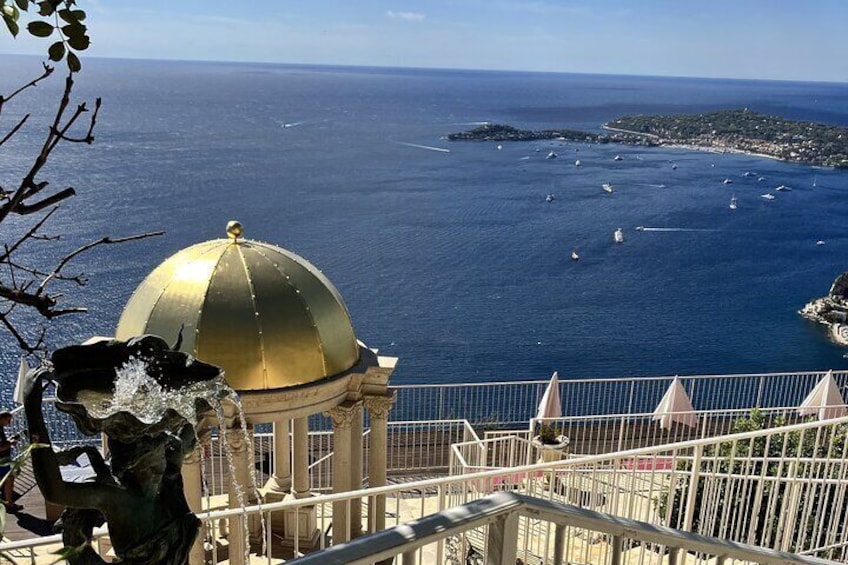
[(725, 131)]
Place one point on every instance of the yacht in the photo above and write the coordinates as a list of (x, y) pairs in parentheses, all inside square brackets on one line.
[(733, 202), (767, 196), (549, 198), (640, 228), (618, 236), (552, 155), (783, 188), (574, 255), (727, 181), (761, 179), (617, 158), (607, 187), (674, 166), (750, 174), (820, 242)]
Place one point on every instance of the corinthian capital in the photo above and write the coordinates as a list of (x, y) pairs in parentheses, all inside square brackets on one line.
[(380, 406), (344, 414)]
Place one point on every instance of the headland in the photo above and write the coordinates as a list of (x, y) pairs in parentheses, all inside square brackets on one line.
[(730, 131)]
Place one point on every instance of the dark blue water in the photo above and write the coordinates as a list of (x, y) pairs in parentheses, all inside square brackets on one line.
[(453, 261)]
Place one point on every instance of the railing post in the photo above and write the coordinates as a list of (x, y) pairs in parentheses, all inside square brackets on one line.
[(616, 550), (559, 543), (408, 558), (673, 553), (692, 492), (503, 539)]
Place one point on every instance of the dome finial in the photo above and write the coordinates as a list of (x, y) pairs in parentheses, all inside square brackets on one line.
[(234, 230)]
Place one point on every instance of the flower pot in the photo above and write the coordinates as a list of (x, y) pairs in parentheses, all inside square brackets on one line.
[(549, 452)]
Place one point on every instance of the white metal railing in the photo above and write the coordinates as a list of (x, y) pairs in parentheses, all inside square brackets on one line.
[(507, 404), (500, 404), (499, 520), (784, 488)]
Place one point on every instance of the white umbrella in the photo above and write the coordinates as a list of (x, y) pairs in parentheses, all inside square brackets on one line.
[(18, 395), (550, 405), (675, 406), (824, 400)]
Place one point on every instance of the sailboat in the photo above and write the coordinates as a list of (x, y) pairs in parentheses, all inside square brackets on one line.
[(733, 202)]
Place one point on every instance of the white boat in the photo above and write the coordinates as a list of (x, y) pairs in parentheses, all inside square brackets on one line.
[(549, 198), (552, 155), (767, 196), (733, 202), (820, 242), (674, 165), (618, 236), (574, 255), (640, 228), (750, 174), (727, 181), (577, 163), (783, 188), (617, 158), (608, 187)]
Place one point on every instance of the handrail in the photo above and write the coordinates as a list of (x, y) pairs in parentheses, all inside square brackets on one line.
[(407, 538)]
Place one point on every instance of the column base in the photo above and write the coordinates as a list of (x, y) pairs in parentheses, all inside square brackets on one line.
[(300, 522)]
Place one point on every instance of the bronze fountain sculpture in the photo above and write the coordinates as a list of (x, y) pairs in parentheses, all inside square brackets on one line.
[(149, 424)]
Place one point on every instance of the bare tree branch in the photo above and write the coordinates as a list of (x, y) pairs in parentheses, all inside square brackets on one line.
[(103, 241), (48, 70)]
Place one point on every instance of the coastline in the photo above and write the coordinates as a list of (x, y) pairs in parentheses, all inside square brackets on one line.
[(703, 148)]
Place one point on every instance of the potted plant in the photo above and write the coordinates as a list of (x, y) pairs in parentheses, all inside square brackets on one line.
[(550, 442)]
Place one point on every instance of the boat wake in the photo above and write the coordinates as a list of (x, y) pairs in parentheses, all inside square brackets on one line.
[(428, 147), (293, 124), (654, 185), (644, 228)]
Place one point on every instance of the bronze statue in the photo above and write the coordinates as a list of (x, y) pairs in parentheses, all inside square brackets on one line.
[(139, 492)]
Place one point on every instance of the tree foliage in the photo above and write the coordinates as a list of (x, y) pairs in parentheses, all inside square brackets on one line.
[(59, 20), (729, 474), (26, 287)]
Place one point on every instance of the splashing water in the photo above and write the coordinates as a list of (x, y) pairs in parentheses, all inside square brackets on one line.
[(141, 395)]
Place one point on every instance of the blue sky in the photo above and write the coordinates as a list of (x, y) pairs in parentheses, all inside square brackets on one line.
[(776, 39)]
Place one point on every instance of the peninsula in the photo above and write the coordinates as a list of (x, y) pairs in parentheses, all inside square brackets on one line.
[(740, 131)]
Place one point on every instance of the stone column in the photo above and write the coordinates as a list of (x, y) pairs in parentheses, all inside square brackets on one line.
[(193, 489), (300, 457), (356, 473), (378, 410), (279, 485), (300, 525), (281, 480), (343, 417), (238, 447)]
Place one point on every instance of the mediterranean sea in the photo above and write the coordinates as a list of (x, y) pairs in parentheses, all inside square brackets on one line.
[(453, 260)]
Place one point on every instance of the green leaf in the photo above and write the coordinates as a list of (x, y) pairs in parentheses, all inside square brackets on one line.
[(79, 15), (73, 62), (56, 51), (46, 8), (79, 42), (66, 15), (40, 29), (22, 4), (12, 25)]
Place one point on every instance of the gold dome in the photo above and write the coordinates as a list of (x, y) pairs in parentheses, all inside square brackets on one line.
[(268, 317)]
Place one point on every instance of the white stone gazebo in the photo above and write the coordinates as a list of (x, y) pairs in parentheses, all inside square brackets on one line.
[(281, 332)]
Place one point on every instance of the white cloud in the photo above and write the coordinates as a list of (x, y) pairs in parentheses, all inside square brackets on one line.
[(406, 16)]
